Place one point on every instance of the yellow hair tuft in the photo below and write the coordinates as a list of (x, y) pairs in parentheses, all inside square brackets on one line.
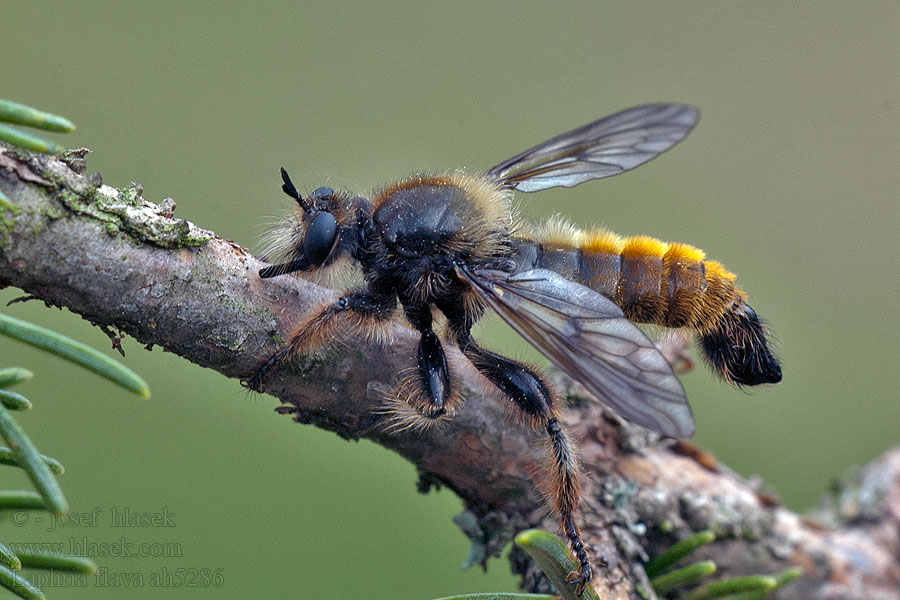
[(715, 270), (602, 240), (644, 245), (558, 231), (684, 254)]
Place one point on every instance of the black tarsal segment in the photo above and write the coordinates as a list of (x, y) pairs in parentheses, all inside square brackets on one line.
[(562, 454), (433, 368)]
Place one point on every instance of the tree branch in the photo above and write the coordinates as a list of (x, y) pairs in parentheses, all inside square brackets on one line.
[(120, 261)]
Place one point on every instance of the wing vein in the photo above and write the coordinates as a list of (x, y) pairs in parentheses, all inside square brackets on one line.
[(586, 335)]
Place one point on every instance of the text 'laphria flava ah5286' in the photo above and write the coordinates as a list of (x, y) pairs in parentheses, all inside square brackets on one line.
[(452, 243)]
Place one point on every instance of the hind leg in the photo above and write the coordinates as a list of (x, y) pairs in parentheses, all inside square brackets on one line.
[(533, 400), (529, 394)]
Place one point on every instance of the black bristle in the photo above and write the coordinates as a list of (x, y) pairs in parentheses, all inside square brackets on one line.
[(739, 351)]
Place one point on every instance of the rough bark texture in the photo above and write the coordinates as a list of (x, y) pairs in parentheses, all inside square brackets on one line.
[(125, 263)]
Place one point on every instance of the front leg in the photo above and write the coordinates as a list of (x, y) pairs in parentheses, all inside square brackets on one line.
[(366, 312)]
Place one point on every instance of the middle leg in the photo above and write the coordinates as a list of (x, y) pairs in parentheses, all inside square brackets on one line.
[(431, 393)]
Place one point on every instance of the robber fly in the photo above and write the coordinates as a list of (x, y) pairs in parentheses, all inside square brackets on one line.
[(452, 242)]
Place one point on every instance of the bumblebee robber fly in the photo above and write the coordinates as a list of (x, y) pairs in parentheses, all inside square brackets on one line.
[(452, 242)]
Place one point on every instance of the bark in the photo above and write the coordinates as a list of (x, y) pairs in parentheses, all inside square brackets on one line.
[(122, 262)]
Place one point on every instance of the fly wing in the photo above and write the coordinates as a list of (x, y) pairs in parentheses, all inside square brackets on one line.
[(607, 147), (586, 335)]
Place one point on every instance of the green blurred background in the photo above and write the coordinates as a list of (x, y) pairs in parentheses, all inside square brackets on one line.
[(791, 180)]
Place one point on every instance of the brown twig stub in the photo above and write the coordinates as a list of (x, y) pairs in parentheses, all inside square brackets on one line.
[(124, 263)]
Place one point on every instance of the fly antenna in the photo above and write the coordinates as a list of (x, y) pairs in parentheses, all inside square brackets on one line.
[(291, 191)]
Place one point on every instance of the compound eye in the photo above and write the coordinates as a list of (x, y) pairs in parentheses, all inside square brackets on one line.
[(323, 192), (321, 236)]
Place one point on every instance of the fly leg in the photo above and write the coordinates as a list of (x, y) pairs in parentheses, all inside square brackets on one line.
[(366, 312), (433, 372), (531, 395), (429, 390), (534, 401)]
